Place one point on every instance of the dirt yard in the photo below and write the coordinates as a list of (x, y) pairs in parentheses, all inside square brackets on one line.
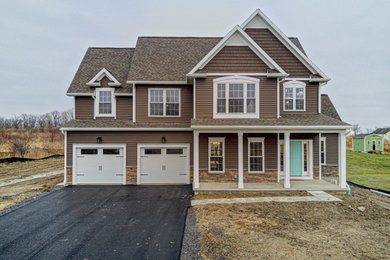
[(302, 230), (14, 193)]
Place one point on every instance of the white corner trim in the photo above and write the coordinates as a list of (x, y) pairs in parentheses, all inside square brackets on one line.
[(134, 103), (65, 154), (278, 98), (251, 44), (194, 99), (95, 81), (267, 23)]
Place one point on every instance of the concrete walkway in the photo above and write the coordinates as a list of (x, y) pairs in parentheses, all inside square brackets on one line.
[(32, 177), (316, 196)]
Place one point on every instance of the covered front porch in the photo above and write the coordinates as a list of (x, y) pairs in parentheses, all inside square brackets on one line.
[(269, 160)]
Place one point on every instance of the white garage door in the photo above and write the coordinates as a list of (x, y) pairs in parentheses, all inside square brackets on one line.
[(99, 165), (164, 165)]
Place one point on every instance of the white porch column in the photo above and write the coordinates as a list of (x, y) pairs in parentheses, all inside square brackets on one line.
[(240, 161), (286, 160), (196, 160), (342, 161), (319, 157)]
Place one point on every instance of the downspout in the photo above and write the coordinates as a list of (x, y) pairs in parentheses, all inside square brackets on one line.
[(278, 99), (134, 103)]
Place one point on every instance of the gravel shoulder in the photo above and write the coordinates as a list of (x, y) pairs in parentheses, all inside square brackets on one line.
[(190, 246)]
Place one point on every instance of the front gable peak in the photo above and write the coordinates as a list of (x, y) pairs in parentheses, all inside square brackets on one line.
[(237, 37), (95, 81)]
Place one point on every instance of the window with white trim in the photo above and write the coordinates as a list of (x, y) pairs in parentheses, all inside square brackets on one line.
[(236, 97), (256, 155), (104, 102), (216, 155), (323, 150), (294, 96), (164, 102)]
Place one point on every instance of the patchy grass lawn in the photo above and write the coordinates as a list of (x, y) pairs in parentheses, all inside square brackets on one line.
[(372, 170), (302, 230), (12, 194)]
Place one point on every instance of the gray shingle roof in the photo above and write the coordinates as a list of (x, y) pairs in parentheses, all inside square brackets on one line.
[(285, 120), (168, 58), (382, 131), (116, 60), (361, 136), (327, 107), (297, 43)]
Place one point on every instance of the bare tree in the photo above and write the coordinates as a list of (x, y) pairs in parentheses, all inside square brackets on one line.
[(355, 129)]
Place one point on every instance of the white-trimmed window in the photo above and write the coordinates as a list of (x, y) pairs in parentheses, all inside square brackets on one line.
[(105, 105), (294, 93), (255, 155), (379, 142), (164, 102), (236, 97), (323, 150), (216, 154)]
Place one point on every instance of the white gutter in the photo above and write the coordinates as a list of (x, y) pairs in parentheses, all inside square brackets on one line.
[(80, 94), (123, 129), (197, 75), (276, 75), (270, 127)]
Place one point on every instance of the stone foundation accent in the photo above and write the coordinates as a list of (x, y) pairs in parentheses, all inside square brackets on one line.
[(131, 175), (69, 175), (316, 173), (330, 171), (267, 176), (227, 176)]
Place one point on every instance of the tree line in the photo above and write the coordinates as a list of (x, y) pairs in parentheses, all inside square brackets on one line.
[(30, 121)]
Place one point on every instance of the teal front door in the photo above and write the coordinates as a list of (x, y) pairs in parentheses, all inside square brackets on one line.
[(295, 158)]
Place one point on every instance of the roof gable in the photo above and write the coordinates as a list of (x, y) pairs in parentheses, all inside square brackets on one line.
[(259, 20), (237, 37), (95, 82), (382, 131)]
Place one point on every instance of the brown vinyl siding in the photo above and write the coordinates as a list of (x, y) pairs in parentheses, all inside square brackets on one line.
[(270, 151), (186, 104), (332, 151), (124, 108), (231, 150), (131, 139), (236, 59), (204, 97), (311, 99), (84, 107), (279, 53)]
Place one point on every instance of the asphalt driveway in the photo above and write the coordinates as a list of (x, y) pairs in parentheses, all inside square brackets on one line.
[(98, 222)]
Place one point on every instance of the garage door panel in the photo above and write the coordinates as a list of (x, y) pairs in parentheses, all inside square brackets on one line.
[(99, 165), (159, 165)]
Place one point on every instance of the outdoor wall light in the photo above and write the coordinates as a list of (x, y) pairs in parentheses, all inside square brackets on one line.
[(163, 139), (99, 140)]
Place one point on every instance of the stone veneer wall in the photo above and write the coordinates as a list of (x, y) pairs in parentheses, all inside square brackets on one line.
[(267, 176), (228, 176), (330, 173), (131, 175), (316, 173), (68, 175)]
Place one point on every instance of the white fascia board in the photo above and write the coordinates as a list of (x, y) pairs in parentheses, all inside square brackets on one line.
[(197, 75), (252, 44), (286, 41), (123, 94), (122, 129), (80, 94), (146, 82), (280, 128), (95, 82)]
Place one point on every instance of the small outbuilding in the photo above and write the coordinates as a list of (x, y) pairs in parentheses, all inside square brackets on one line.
[(367, 143)]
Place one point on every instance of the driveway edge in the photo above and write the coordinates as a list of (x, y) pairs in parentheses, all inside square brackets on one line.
[(190, 245)]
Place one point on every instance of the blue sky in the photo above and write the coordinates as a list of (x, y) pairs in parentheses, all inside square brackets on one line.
[(42, 44)]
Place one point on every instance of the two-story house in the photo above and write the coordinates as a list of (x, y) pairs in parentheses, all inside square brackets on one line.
[(240, 110)]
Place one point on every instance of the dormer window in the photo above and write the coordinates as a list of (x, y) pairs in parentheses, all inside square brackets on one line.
[(294, 96), (105, 103), (236, 97)]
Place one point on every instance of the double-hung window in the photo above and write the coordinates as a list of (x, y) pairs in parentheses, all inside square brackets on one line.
[(256, 155), (164, 102), (104, 102), (216, 155), (323, 150), (294, 96), (236, 97)]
